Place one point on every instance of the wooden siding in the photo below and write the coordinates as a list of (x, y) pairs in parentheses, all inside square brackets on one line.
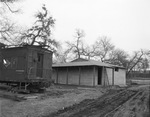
[(87, 76), (110, 75), (62, 76), (23, 63), (120, 77), (73, 75)]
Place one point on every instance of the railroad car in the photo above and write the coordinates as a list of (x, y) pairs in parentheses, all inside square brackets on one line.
[(27, 67)]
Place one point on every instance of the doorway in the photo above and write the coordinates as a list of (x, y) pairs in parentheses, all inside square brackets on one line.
[(39, 71), (99, 75)]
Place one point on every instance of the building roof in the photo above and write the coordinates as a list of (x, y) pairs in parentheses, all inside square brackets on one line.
[(84, 62)]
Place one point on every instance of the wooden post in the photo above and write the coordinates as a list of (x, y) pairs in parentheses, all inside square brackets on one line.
[(104, 75), (67, 76), (57, 75), (113, 76), (94, 76), (79, 75)]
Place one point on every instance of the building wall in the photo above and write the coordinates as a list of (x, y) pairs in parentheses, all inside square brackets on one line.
[(62, 76), (110, 75), (54, 75), (73, 75), (120, 77), (76, 76), (87, 76)]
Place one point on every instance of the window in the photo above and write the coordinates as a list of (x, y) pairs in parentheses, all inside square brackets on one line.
[(39, 58), (7, 62), (10, 63), (116, 69)]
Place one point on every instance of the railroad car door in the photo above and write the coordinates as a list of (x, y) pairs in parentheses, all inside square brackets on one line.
[(0, 63), (39, 71)]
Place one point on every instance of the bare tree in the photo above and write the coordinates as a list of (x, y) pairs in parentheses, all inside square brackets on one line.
[(89, 51), (77, 46), (103, 48), (8, 30), (40, 33), (61, 57), (8, 4), (118, 57), (134, 60), (143, 65), (122, 58)]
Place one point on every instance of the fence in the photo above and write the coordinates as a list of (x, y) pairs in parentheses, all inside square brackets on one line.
[(145, 74)]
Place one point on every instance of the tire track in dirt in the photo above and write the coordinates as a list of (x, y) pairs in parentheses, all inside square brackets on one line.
[(137, 106), (96, 107)]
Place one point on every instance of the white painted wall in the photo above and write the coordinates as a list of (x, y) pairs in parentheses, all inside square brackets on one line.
[(109, 74), (120, 77), (86, 76)]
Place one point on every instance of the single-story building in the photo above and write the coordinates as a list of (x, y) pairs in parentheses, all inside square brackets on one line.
[(88, 73)]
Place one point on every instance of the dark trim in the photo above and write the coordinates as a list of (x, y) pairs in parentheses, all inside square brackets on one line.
[(113, 76), (94, 76), (67, 76), (103, 72), (79, 75), (57, 75)]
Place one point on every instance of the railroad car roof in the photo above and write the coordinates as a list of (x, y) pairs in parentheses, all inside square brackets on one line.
[(25, 47)]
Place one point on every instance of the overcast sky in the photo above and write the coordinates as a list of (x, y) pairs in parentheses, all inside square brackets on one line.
[(126, 22)]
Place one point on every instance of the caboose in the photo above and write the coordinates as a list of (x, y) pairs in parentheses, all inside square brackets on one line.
[(28, 67)]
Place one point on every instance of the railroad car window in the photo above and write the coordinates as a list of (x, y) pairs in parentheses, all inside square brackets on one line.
[(39, 58), (6, 62), (116, 69)]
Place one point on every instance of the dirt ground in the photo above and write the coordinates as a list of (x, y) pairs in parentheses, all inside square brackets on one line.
[(55, 98), (136, 106), (72, 101)]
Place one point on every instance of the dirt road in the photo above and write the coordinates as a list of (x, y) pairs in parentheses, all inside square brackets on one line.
[(123, 103)]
